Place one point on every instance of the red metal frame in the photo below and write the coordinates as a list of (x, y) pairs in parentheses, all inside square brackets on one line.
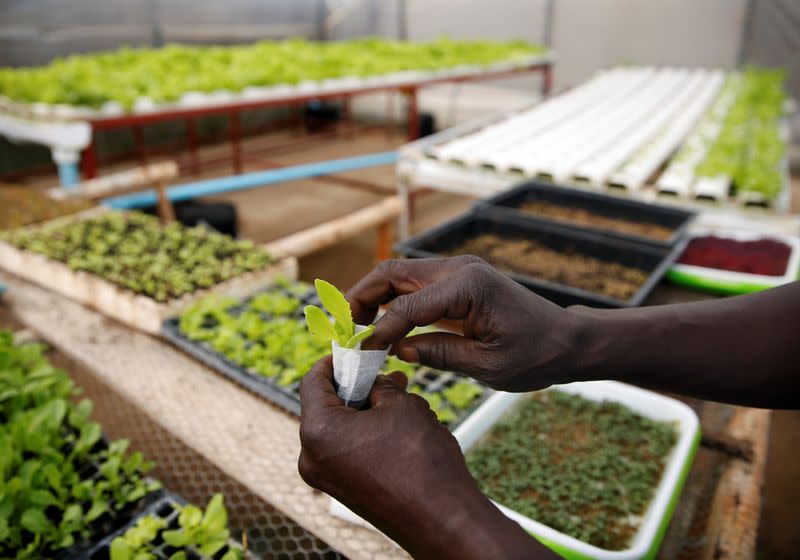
[(89, 162)]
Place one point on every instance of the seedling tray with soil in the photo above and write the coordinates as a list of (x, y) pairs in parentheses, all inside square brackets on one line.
[(592, 470), (612, 216), (561, 264), (731, 261), (262, 344), (130, 268)]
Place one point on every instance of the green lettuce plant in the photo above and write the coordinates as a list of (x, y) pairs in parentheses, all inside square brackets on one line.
[(343, 329)]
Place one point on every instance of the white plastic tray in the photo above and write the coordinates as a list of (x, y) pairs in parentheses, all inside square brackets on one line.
[(728, 281), (651, 405)]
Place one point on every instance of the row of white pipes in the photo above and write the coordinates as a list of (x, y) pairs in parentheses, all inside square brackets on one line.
[(617, 129)]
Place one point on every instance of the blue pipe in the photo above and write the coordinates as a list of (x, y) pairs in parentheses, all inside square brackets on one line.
[(270, 177), (68, 174)]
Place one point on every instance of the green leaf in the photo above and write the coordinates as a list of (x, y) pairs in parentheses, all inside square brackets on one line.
[(35, 521), (232, 554), (318, 324), (98, 508), (336, 304), (175, 538), (462, 394), (180, 555), (215, 517), (191, 516), (359, 337), (120, 550)]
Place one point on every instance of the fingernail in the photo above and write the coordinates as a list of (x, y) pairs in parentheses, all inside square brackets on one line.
[(407, 353)]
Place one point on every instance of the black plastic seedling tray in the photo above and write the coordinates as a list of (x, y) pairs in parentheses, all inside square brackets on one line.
[(508, 203), (287, 397), (112, 521), (435, 381), (164, 507), (655, 261)]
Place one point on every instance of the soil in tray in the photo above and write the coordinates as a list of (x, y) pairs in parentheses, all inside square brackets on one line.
[(583, 217), (21, 206), (761, 256), (584, 468), (524, 256)]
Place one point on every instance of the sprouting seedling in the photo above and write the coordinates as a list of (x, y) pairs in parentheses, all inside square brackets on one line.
[(343, 329)]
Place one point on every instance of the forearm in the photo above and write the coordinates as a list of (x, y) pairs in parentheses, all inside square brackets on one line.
[(742, 350), (471, 528)]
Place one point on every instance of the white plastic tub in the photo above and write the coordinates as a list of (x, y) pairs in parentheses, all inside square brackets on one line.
[(728, 281), (645, 543)]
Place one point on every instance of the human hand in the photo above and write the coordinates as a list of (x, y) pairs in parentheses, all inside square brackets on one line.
[(397, 467), (513, 340)]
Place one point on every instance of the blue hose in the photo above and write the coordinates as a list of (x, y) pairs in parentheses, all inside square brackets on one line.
[(233, 183)]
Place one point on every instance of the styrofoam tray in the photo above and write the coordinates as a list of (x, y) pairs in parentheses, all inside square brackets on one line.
[(730, 282), (645, 543)]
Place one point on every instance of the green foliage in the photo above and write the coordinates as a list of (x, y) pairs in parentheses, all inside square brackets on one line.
[(462, 394), (264, 335), (749, 148), (343, 329), (165, 74), (49, 449), (200, 532), (134, 252), (588, 469)]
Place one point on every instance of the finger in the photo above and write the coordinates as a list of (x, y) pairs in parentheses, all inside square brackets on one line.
[(447, 299), (385, 390), (396, 277), (398, 378), (446, 351), (317, 392)]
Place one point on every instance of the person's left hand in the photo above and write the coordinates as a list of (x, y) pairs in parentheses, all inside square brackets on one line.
[(396, 466)]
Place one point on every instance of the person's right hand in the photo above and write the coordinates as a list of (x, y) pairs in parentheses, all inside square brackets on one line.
[(513, 340)]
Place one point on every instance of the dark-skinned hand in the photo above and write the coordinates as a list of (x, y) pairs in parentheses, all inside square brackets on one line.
[(512, 340), (396, 466)]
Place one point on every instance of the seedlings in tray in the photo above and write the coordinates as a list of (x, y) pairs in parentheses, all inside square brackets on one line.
[(206, 532), (584, 468), (343, 329), (393, 363), (137, 541), (462, 394), (443, 412), (271, 341), (135, 252), (62, 485), (264, 335), (198, 532)]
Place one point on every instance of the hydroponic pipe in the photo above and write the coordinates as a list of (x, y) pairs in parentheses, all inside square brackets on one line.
[(187, 191)]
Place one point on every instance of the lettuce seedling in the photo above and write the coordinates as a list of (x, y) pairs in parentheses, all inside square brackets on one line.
[(343, 329)]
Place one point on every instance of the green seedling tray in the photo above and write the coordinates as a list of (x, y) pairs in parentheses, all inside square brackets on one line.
[(729, 282), (646, 542)]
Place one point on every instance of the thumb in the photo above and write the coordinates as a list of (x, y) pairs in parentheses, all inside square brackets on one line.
[(386, 388), (440, 350)]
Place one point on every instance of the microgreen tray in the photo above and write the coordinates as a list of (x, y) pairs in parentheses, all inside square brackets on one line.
[(730, 282), (645, 543)]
